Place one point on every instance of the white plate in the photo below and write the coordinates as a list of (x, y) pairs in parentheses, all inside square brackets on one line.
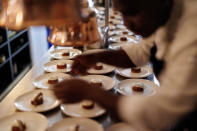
[(120, 127), (112, 26), (106, 69), (125, 87), (120, 32), (107, 82), (57, 54), (116, 39), (145, 72), (33, 121), (42, 81), (85, 125), (76, 110), (52, 66), (23, 102), (118, 46)]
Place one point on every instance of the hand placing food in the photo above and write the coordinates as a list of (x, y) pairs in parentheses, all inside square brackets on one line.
[(116, 58), (75, 90)]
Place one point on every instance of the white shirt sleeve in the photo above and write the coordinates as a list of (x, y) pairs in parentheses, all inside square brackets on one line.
[(175, 98), (139, 53)]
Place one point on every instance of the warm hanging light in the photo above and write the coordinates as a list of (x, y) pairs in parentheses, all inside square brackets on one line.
[(19, 14), (84, 33)]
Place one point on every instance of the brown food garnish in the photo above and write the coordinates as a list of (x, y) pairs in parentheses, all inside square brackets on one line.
[(136, 70), (53, 80), (123, 38), (38, 100), (98, 67), (96, 84), (61, 66), (125, 32), (66, 54), (113, 17), (19, 127), (138, 89), (88, 104)]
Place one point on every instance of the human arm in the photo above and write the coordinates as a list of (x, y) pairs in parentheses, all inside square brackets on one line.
[(176, 97), (75, 90)]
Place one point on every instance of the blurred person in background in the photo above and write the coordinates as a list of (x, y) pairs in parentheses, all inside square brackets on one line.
[(169, 30)]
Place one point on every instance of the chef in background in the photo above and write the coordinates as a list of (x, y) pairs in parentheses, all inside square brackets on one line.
[(169, 29)]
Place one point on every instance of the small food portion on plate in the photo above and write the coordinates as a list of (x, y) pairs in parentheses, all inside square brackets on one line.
[(138, 87), (101, 68), (24, 121), (60, 54), (96, 83), (131, 87), (87, 104), (87, 109), (136, 70), (53, 80), (63, 66), (100, 81), (38, 100), (48, 80), (19, 126), (98, 66)]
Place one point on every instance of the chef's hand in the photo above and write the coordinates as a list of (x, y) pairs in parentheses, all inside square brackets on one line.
[(83, 62), (75, 90), (115, 58)]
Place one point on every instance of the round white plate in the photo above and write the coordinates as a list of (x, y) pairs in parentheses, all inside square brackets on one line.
[(107, 82), (33, 121), (112, 26), (145, 72), (106, 69), (57, 54), (52, 66), (76, 110), (42, 81), (23, 102), (120, 127), (84, 125), (118, 46), (116, 39), (125, 87), (120, 32)]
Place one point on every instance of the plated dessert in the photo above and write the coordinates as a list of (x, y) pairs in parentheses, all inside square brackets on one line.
[(37, 101), (86, 108), (101, 68), (65, 53), (100, 81), (48, 80), (137, 87), (24, 121), (122, 39), (137, 72), (62, 66)]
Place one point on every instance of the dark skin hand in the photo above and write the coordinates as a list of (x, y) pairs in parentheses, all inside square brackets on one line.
[(75, 90), (116, 58)]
